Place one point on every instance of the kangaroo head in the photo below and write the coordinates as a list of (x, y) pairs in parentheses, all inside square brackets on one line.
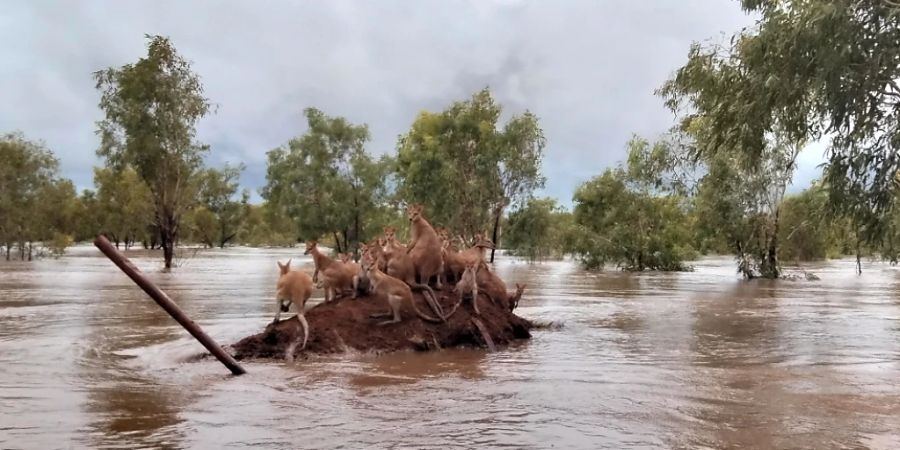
[(483, 242), (414, 212), (284, 268), (345, 257), (309, 246), (520, 288)]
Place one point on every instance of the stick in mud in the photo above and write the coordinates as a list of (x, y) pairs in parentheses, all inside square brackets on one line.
[(167, 304)]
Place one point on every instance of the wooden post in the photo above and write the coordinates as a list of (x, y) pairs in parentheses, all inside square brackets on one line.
[(167, 304)]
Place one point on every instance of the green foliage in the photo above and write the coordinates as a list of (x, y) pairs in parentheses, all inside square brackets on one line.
[(808, 232), (35, 204), (538, 230), (807, 70), (326, 182), (738, 207), (58, 243), (264, 226), (625, 220), (219, 216), (465, 168), (122, 205), (151, 108)]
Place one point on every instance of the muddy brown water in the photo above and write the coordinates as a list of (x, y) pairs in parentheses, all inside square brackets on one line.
[(689, 360)]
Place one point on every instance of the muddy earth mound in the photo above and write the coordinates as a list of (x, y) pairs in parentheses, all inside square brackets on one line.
[(345, 324)]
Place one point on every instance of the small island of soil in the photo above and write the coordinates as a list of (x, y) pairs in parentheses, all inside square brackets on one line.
[(345, 324)]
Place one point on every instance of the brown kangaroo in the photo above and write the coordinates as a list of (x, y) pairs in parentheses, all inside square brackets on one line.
[(293, 287), (473, 255), (425, 248), (336, 276), (400, 265), (395, 291)]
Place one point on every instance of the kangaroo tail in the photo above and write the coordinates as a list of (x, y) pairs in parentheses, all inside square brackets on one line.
[(424, 316), (431, 298)]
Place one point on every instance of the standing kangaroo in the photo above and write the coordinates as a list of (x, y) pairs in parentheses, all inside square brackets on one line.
[(336, 276), (294, 288), (457, 262), (395, 291), (400, 265), (425, 248)]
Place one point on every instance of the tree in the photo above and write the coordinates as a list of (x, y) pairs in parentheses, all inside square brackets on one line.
[(123, 205), (538, 230), (520, 151), (465, 169), (34, 202), (151, 108), (627, 216), (265, 226), (219, 215), (808, 233), (326, 182), (824, 70)]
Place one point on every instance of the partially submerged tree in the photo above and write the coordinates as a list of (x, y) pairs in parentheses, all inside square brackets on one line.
[(326, 182), (826, 70), (629, 217), (465, 168), (151, 108), (35, 204), (220, 213), (538, 230), (123, 205)]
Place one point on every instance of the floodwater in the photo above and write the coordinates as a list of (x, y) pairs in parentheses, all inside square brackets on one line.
[(686, 360)]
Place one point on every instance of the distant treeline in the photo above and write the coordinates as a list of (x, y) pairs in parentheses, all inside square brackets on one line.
[(715, 183)]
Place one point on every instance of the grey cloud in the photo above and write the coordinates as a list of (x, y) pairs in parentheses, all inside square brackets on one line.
[(586, 68)]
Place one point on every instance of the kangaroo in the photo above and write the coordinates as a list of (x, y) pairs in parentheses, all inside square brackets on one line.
[(361, 283), (395, 291), (453, 264), (457, 262), (293, 287), (400, 265), (336, 276), (350, 267), (515, 297), (390, 235), (425, 248), (469, 286), (491, 284)]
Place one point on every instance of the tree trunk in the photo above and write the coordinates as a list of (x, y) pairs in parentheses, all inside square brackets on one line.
[(168, 236), (356, 233), (30, 248), (772, 270), (858, 261), (494, 235), (226, 239), (337, 242), (8, 247)]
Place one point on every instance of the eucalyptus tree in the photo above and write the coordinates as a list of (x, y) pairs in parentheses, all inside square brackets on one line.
[(466, 168), (327, 183), (807, 70), (151, 109)]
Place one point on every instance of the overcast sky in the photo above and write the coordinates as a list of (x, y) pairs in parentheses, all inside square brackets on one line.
[(586, 68)]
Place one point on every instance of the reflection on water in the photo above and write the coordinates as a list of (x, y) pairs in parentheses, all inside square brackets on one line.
[(690, 360)]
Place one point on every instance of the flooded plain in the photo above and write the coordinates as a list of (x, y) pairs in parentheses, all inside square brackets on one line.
[(681, 360)]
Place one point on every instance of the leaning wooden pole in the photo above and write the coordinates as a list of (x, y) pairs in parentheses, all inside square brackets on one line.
[(167, 304)]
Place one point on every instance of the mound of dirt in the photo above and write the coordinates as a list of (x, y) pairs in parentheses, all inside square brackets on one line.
[(345, 324)]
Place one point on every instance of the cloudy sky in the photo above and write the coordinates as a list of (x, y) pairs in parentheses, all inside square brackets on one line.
[(586, 68)]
